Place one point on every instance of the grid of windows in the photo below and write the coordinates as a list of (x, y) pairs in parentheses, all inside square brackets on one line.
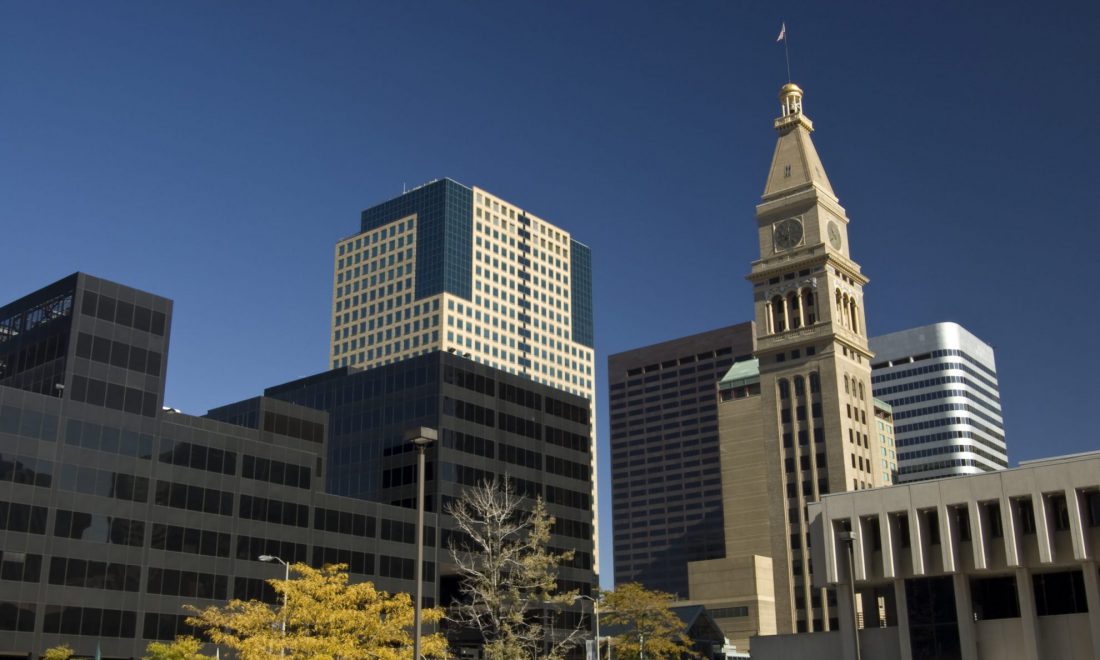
[(76, 572), (664, 449), (508, 300), (98, 528), (90, 621), (123, 313), (189, 584), (91, 481), (188, 539), (20, 567), (947, 438), (108, 439), (377, 318)]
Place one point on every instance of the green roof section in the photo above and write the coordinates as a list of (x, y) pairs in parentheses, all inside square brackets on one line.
[(746, 372), (879, 403)]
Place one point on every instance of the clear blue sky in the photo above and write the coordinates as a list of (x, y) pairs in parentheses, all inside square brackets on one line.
[(213, 152)]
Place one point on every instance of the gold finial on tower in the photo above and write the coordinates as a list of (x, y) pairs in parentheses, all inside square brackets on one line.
[(790, 107), (790, 99)]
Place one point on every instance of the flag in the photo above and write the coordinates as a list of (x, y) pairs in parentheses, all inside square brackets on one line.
[(782, 32)]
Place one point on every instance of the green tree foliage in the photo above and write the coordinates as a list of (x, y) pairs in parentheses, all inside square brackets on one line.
[(325, 617), (184, 648), (647, 621), (507, 573)]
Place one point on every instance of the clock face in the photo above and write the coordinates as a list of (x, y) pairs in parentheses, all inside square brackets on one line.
[(834, 235), (788, 233)]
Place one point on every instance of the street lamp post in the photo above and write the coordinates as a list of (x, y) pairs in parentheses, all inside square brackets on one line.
[(421, 436), (848, 539), (286, 578), (596, 617)]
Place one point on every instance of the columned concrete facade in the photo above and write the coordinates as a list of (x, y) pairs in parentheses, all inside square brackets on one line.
[(997, 565)]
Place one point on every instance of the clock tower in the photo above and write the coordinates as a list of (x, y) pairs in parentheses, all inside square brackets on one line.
[(815, 366)]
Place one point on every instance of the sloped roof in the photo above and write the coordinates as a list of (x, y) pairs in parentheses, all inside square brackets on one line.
[(740, 374)]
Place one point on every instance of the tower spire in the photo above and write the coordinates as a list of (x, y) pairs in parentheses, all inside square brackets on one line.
[(795, 165)]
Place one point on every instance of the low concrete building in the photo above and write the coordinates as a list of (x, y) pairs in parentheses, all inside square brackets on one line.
[(997, 565)]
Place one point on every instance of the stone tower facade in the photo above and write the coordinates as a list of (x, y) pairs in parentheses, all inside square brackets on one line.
[(797, 420), (815, 365)]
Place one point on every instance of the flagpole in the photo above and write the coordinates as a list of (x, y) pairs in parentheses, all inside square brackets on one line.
[(787, 52)]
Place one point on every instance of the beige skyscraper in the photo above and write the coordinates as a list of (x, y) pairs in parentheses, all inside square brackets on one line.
[(448, 267), (799, 421)]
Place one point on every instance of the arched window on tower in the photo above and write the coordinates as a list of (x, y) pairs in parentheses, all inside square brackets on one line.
[(779, 314), (784, 389), (815, 382), (861, 391), (808, 306), (854, 311), (794, 310), (799, 386), (846, 390), (839, 309)]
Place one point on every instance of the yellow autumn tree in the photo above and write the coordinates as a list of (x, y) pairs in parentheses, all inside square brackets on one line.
[(325, 617), (184, 648), (650, 629), (63, 652)]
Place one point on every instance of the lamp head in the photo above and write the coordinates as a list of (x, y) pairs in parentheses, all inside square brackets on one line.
[(421, 436)]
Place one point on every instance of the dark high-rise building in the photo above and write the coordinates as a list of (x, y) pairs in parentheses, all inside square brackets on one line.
[(666, 485), (102, 343), (490, 423), (114, 512)]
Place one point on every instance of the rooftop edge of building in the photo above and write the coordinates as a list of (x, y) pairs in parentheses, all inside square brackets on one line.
[(744, 330), (994, 474), (949, 334)]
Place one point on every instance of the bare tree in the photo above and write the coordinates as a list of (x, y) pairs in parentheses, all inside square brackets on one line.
[(507, 573)]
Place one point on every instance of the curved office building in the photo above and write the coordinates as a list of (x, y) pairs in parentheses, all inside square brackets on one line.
[(942, 383)]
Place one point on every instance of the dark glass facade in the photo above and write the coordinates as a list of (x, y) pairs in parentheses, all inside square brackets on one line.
[(114, 516), (88, 339), (34, 338), (666, 483), (112, 520), (444, 234), (580, 256), (490, 423)]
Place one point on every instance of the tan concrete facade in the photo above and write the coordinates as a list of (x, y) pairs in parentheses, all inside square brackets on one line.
[(743, 582), (1032, 532), (485, 327)]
